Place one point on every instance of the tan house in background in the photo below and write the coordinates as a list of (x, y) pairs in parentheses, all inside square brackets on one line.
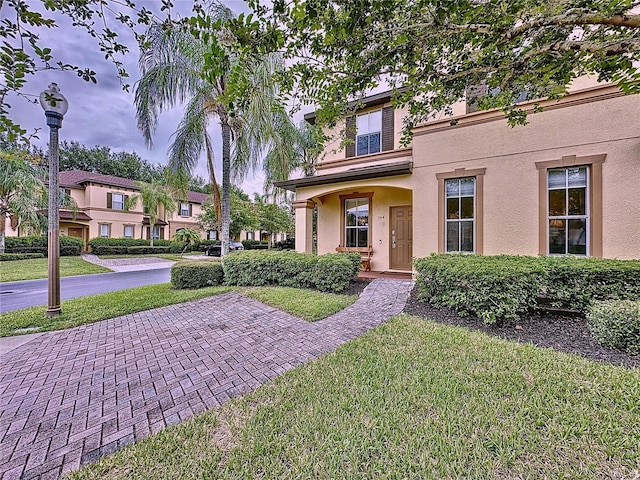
[(101, 210), (566, 183)]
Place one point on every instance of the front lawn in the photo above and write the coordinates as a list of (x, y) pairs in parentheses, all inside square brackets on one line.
[(38, 268), (410, 399), (310, 305), (92, 308)]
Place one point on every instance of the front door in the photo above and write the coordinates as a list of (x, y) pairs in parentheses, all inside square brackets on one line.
[(77, 233), (401, 241)]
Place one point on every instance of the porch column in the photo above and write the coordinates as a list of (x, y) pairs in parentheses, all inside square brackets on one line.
[(304, 225)]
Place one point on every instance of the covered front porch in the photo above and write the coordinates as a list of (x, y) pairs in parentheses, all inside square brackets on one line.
[(373, 216)]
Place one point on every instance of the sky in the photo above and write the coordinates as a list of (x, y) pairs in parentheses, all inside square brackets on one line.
[(103, 113)]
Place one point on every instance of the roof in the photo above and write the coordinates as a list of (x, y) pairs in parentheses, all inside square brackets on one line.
[(78, 179), (366, 102), (68, 215), (362, 173)]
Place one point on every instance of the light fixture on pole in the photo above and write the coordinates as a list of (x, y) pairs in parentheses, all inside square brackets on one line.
[(55, 106)]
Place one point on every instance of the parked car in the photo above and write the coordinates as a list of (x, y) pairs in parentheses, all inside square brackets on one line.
[(216, 250)]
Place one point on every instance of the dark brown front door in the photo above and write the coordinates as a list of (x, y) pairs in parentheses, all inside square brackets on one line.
[(401, 238), (76, 232)]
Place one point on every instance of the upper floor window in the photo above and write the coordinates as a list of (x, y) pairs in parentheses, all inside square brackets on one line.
[(369, 133), (185, 209), (116, 201), (460, 214), (567, 211), (356, 222)]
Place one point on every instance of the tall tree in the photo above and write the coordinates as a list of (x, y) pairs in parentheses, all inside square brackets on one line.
[(22, 191), (153, 196), (242, 212), (272, 218), (431, 51), (239, 92)]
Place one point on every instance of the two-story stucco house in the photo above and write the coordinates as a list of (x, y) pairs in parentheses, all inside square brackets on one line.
[(102, 213), (566, 183)]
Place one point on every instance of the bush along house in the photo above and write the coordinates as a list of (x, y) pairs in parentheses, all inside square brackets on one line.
[(565, 184)]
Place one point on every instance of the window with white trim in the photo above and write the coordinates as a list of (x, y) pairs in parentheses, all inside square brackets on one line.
[(156, 233), (128, 231), (105, 230), (185, 211), (117, 201), (356, 222), (368, 133), (460, 215), (212, 235), (567, 211)]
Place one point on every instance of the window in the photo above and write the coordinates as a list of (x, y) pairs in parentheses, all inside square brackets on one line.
[(460, 214), (116, 201), (567, 211), (105, 230), (250, 235), (368, 128), (356, 222), (185, 209), (128, 231), (212, 235), (156, 233)]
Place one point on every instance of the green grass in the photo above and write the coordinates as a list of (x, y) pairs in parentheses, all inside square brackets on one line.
[(38, 268), (79, 311), (310, 305), (410, 399), (176, 257)]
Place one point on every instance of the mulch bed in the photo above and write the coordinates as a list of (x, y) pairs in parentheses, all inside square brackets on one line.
[(563, 333)]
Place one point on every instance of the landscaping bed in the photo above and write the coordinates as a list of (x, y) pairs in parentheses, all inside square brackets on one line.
[(560, 332)]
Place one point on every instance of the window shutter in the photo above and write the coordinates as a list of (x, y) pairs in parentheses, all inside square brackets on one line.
[(190, 210), (387, 129), (350, 147), (161, 233), (124, 205), (109, 200)]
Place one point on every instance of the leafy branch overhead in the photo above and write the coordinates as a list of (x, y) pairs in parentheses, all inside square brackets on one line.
[(431, 51)]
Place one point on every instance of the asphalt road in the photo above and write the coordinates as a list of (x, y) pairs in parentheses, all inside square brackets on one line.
[(29, 293)]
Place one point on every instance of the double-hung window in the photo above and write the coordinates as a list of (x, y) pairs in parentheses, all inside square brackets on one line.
[(128, 231), (155, 232), (460, 214), (185, 209), (567, 211), (117, 201), (356, 222), (105, 230), (368, 136)]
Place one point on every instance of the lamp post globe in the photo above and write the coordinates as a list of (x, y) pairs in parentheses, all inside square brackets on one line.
[(55, 106)]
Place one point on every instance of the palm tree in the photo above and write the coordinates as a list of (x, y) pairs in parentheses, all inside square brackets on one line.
[(152, 196), (172, 67), (188, 236), (22, 192)]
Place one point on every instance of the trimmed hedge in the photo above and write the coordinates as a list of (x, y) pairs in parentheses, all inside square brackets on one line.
[(144, 250), (616, 324), (196, 274), (69, 246), (10, 257), (503, 287), (327, 273)]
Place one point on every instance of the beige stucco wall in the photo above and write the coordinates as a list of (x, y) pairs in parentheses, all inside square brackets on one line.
[(511, 199)]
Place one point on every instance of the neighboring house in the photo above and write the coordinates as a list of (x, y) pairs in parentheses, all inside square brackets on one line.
[(101, 210), (566, 183)]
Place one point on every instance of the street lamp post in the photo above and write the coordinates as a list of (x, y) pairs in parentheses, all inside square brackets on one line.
[(55, 106)]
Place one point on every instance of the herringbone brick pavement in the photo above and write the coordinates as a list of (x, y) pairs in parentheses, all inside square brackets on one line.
[(70, 397)]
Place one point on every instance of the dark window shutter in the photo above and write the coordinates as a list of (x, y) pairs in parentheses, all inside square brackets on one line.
[(387, 128), (124, 206), (109, 200), (473, 93), (148, 233), (350, 147), (190, 210), (161, 233)]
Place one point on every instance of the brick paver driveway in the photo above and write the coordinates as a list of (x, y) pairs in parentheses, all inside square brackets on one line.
[(69, 397)]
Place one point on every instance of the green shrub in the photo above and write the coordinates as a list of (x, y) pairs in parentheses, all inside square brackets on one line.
[(108, 250), (120, 246), (9, 257), (196, 274), (255, 245), (616, 323), (144, 250), (38, 244), (178, 247), (330, 272), (503, 287)]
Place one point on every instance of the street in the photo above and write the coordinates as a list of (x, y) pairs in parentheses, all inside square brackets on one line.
[(29, 293)]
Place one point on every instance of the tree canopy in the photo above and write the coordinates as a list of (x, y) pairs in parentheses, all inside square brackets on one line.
[(431, 51)]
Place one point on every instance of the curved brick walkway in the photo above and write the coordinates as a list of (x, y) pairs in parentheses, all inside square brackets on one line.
[(69, 397)]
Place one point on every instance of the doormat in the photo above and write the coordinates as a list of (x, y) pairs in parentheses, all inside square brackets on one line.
[(397, 273)]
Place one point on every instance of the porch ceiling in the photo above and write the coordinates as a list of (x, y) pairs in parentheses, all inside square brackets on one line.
[(361, 173)]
